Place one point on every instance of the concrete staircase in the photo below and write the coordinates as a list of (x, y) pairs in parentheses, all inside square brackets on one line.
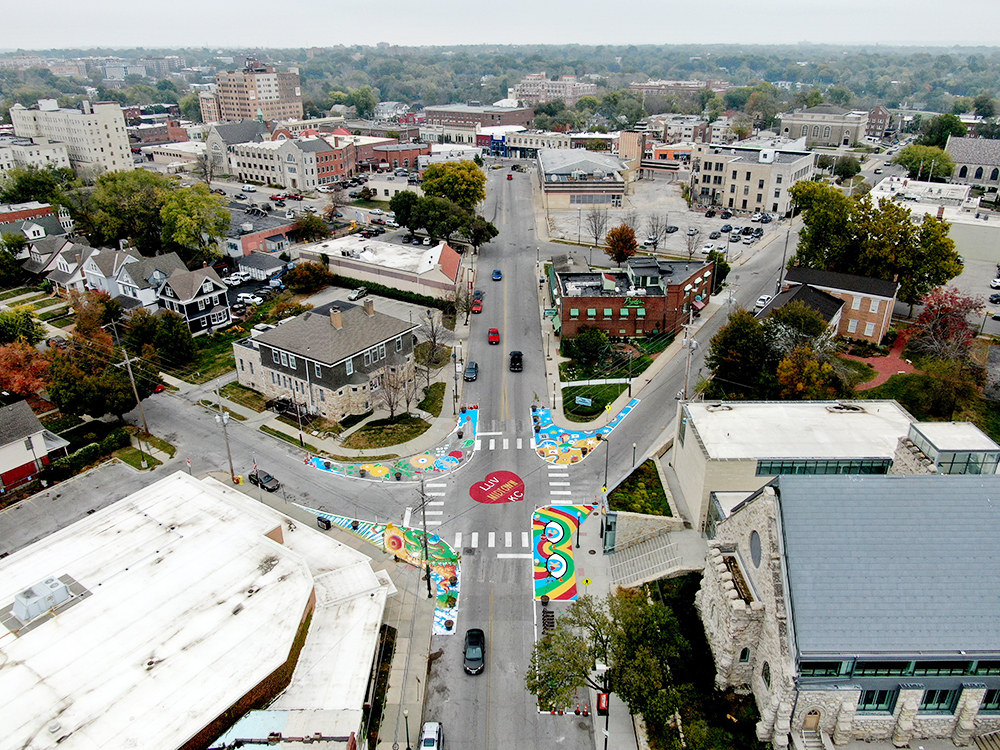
[(989, 741), (655, 557), (811, 740)]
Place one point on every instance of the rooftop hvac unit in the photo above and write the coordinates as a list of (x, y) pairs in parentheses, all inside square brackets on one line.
[(246, 227), (600, 174), (578, 174), (39, 599), (766, 156)]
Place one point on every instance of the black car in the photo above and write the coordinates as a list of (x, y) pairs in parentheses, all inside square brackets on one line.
[(475, 651), (709, 213), (995, 299), (747, 231), (726, 215), (265, 480), (516, 361), (714, 235), (471, 372), (726, 228), (671, 229), (765, 219), (758, 232)]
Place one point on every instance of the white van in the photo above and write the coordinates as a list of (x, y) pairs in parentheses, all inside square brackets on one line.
[(248, 189), (431, 737)]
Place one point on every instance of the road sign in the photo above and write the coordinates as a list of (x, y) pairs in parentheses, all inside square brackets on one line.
[(583, 401), (587, 582), (607, 407)]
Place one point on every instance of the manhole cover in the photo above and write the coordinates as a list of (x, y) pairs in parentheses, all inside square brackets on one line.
[(592, 552), (469, 551)]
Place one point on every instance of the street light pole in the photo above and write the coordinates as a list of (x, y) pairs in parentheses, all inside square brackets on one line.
[(633, 455), (423, 513), (454, 396), (606, 454), (406, 718)]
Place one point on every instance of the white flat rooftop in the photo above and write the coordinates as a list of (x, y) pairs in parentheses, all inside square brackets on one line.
[(799, 429), (417, 259), (185, 607), (957, 436)]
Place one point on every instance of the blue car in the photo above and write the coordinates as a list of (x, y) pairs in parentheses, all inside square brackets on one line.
[(497, 275)]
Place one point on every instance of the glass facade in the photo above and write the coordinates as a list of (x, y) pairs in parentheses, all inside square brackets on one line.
[(770, 468), (955, 461), (877, 700)]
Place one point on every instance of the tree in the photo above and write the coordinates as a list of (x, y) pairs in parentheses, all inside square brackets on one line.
[(336, 199), (402, 205), (847, 167), (141, 328), (190, 108), (925, 162), (935, 132), (655, 227), (478, 159), (392, 389), (942, 330), (174, 342), (11, 272), (621, 244), (31, 183), (364, 101), (461, 182), (721, 271), (478, 231), (825, 161), (204, 167), (984, 106), (840, 95), (94, 310), (560, 663), (691, 242), (590, 344), (802, 376), (309, 227), (306, 278), (23, 369), (127, 206), (19, 325), (439, 216), (194, 220), (737, 358), (597, 223)]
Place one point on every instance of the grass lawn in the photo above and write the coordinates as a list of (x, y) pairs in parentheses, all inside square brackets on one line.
[(160, 444), (422, 351), (48, 302), (382, 433), (244, 396), (287, 438), (433, 399), (18, 292), (577, 370), (641, 492), (58, 312), (213, 406), (857, 372), (60, 422), (600, 395), (213, 357), (133, 458), (349, 422)]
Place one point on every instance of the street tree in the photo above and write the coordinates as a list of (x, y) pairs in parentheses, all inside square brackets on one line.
[(174, 342), (194, 220), (737, 357), (925, 162), (23, 369), (935, 131), (597, 223), (402, 204), (802, 377), (94, 309), (691, 242), (461, 182), (560, 663), (437, 336), (19, 325), (392, 389), (307, 278), (590, 344), (309, 228), (655, 227), (478, 231), (190, 107), (825, 161), (721, 271), (621, 244), (204, 167), (440, 217), (847, 167), (336, 199), (631, 219), (141, 328), (942, 330), (126, 206)]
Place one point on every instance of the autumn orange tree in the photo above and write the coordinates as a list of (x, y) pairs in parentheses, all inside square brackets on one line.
[(621, 244), (23, 369)]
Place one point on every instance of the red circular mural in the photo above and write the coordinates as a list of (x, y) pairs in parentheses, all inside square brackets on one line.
[(498, 487)]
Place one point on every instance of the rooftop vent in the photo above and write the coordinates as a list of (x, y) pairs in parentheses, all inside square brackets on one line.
[(845, 409)]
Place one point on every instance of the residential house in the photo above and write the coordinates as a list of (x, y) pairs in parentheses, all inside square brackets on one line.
[(199, 296), (41, 255), (139, 280), (868, 303), (331, 361), (100, 269), (385, 111), (857, 608), (38, 227), (68, 276), (977, 160), (261, 266), (25, 446), (879, 121)]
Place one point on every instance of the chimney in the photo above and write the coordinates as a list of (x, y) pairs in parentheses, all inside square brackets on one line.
[(335, 318), (369, 307)]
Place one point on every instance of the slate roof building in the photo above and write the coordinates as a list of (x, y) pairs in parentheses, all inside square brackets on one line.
[(261, 266), (331, 361), (977, 160), (25, 445), (222, 137), (860, 608), (828, 306)]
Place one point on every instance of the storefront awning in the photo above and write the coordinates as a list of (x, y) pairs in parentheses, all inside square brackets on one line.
[(698, 305)]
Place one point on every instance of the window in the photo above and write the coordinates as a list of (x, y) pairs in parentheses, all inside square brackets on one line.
[(995, 174), (318, 370), (745, 655), (869, 329), (623, 313), (765, 674), (815, 131), (880, 668), (291, 361), (574, 312), (591, 312), (856, 303), (823, 466), (746, 190), (350, 366), (322, 395), (760, 184), (607, 312), (877, 700), (826, 132), (777, 180), (940, 667), (640, 313), (399, 343), (873, 306), (979, 173), (987, 667), (274, 356), (820, 668), (939, 700), (991, 701), (805, 130), (777, 192), (734, 174), (284, 359), (201, 304)]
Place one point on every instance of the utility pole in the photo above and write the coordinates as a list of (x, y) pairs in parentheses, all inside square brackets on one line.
[(687, 353), (781, 270), (142, 414), (454, 397), (222, 418), (423, 513)]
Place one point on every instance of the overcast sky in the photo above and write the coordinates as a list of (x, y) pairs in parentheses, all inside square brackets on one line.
[(322, 23)]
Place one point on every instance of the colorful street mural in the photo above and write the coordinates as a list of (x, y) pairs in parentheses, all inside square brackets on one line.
[(498, 487), (564, 446), (456, 448), (408, 545), (552, 530)]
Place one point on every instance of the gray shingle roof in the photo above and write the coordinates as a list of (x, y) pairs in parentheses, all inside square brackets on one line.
[(313, 336), (981, 151), (262, 262), (825, 304), (892, 564), (50, 223), (109, 261), (186, 284), (145, 269), (17, 422), (845, 281), (243, 131)]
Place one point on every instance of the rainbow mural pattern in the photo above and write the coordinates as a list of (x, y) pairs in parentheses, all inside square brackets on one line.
[(408, 545), (560, 445), (552, 530)]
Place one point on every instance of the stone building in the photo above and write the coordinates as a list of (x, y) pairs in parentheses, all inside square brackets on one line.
[(854, 608), (825, 125), (977, 160), (331, 361), (536, 88)]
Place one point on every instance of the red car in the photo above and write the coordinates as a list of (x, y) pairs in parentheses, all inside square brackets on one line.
[(477, 307), (494, 336), (293, 197), (277, 197), (510, 176)]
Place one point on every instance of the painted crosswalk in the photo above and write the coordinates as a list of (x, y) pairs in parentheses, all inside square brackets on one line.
[(494, 540), (502, 443), (559, 487)]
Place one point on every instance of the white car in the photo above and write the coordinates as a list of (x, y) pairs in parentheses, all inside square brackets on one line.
[(692, 231), (995, 283), (311, 209), (376, 212), (248, 189), (233, 280), (289, 214), (762, 301), (707, 249), (248, 298), (324, 189), (392, 225)]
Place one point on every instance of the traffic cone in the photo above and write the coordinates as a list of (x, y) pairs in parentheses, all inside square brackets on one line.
[(577, 712), (586, 709)]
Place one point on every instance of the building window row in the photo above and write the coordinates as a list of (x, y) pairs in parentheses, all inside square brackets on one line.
[(768, 468)]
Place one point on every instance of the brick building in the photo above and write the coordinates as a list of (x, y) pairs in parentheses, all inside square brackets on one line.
[(868, 303), (468, 114), (401, 155), (255, 91), (536, 88)]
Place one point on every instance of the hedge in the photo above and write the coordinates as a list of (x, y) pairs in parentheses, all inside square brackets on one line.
[(67, 466), (393, 293)]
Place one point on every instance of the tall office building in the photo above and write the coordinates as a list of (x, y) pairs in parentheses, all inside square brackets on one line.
[(255, 92), (94, 135)]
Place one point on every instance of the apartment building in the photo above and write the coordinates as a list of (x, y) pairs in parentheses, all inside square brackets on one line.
[(879, 121), (31, 152), (536, 88), (256, 91), (679, 87), (94, 135), (468, 114), (752, 177)]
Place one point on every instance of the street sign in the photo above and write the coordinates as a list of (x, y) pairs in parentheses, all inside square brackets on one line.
[(584, 401), (587, 582), (550, 312), (607, 407)]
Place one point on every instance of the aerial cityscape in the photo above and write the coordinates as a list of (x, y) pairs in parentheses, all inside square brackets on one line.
[(528, 391)]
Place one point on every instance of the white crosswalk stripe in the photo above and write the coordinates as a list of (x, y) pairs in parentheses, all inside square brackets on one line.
[(491, 539), (507, 541), (554, 474), (434, 494), (475, 539), (519, 443), (434, 512), (435, 502), (436, 484), (493, 443), (525, 539), (458, 540), (479, 445), (434, 523), (506, 443), (560, 492), (558, 484)]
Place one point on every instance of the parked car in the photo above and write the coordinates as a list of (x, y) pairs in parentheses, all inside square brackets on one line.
[(427, 240), (471, 372), (709, 213), (248, 189), (671, 229), (358, 293), (735, 237), (431, 737), (714, 235), (651, 240), (264, 480), (748, 231), (57, 342), (234, 280), (749, 240), (250, 299), (311, 209), (477, 306), (475, 651), (240, 197), (516, 361), (692, 231), (762, 301), (376, 212), (706, 249), (766, 219), (277, 197), (994, 300), (493, 336), (757, 232), (324, 189), (293, 197), (995, 283), (726, 215), (755, 217), (497, 275), (478, 294), (392, 225), (219, 191), (726, 228)]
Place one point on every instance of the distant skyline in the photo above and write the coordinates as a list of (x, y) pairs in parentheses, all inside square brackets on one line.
[(325, 23)]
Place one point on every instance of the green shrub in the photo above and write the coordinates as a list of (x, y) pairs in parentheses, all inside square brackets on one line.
[(116, 439), (392, 293)]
